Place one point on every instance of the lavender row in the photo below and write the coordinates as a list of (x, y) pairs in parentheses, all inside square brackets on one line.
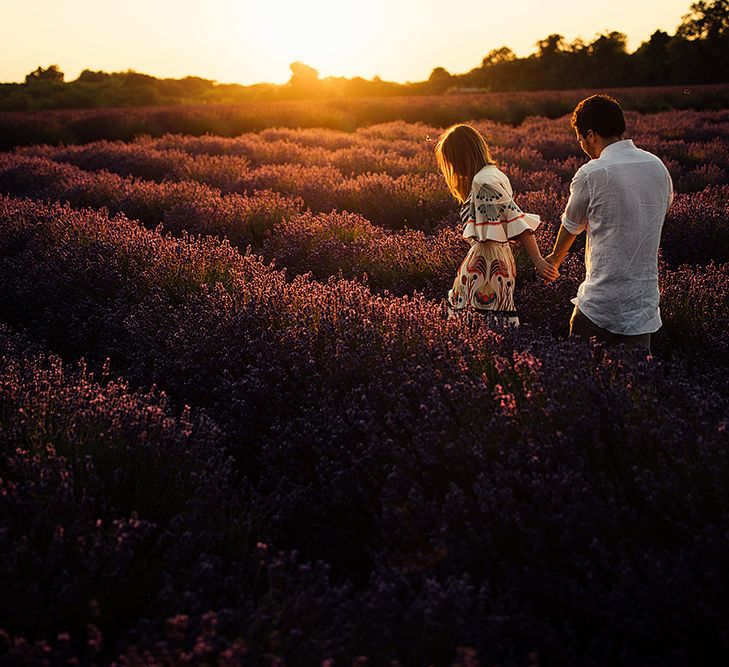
[(407, 201), (403, 146), (273, 224), (80, 126), (695, 231), (439, 467), (327, 244), (184, 206), (539, 145)]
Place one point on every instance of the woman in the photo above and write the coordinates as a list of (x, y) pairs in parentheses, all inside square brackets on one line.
[(487, 276)]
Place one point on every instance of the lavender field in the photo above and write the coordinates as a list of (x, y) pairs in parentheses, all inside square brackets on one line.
[(237, 427)]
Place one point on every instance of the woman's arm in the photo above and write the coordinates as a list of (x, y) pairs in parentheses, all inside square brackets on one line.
[(544, 268)]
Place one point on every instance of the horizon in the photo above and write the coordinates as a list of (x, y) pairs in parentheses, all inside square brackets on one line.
[(251, 43)]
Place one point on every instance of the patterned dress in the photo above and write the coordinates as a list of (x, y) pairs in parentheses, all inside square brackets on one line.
[(487, 276)]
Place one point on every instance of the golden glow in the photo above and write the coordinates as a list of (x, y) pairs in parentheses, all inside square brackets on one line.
[(250, 41), (330, 35)]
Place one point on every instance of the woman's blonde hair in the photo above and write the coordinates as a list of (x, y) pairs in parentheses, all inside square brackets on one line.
[(461, 153)]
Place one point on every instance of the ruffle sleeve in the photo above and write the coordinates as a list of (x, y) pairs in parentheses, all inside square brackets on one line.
[(490, 212)]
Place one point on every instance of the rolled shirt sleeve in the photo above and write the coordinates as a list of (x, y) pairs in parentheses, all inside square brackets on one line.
[(574, 218)]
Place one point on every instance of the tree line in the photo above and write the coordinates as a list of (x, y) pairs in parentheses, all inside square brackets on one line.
[(697, 53)]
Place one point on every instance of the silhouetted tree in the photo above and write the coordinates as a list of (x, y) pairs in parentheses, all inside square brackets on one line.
[(89, 76), (439, 80), (303, 75), (706, 29), (652, 60), (609, 59), (550, 46), (501, 55), (549, 70), (133, 79), (51, 73), (577, 64), (705, 20)]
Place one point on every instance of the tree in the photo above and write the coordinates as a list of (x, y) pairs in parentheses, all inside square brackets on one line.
[(501, 55), (651, 60), (550, 46), (577, 46), (51, 73), (703, 36), (609, 60), (302, 75), (548, 66), (194, 86), (706, 20), (439, 80), (90, 76), (133, 78), (609, 45), (658, 42)]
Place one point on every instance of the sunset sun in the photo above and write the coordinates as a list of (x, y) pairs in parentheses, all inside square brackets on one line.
[(327, 34)]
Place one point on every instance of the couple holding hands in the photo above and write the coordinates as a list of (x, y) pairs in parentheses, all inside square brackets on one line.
[(620, 198)]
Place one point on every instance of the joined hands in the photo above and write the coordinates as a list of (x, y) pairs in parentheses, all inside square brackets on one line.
[(547, 268)]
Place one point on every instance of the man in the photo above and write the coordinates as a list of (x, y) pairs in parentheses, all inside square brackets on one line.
[(620, 197)]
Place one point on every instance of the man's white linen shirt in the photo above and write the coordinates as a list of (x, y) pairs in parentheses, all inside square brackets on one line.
[(621, 199)]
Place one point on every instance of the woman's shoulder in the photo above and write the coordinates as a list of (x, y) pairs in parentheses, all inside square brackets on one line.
[(492, 179), (490, 174)]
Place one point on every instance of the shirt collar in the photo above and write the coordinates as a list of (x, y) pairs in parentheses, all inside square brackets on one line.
[(618, 145)]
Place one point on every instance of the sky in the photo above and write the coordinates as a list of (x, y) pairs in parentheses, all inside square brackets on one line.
[(252, 41)]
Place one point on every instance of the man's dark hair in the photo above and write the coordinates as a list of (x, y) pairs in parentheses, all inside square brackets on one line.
[(601, 114)]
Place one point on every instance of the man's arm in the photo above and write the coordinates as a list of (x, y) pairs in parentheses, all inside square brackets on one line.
[(574, 218), (561, 246)]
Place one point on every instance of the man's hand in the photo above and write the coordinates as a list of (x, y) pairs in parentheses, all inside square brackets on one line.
[(547, 269)]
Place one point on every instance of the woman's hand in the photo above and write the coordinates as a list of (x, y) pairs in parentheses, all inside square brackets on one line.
[(546, 269)]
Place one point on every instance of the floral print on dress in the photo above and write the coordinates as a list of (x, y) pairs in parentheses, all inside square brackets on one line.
[(486, 279)]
